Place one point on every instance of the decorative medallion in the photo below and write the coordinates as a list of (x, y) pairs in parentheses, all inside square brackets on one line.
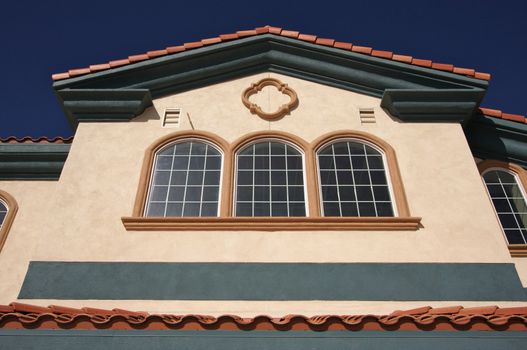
[(256, 88)]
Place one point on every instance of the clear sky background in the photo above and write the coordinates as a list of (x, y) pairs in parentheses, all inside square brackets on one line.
[(40, 38)]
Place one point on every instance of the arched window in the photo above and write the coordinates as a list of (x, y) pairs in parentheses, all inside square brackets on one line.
[(353, 180), (269, 180), (508, 198), (8, 209), (185, 180), (3, 212)]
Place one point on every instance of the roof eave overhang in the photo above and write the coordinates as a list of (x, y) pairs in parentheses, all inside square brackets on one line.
[(492, 138), (95, 97)]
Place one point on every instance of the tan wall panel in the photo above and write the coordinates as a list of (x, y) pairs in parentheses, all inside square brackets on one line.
[(82, 211)]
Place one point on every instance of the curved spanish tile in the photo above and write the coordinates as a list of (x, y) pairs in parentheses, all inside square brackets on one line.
[(41, 139), (489, 318), (275, 31)]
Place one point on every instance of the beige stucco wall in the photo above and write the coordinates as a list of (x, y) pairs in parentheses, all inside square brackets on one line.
[(78, 218)]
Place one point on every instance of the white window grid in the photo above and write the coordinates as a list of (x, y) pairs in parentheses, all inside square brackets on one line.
[(201, 202), (519, 226), (3, 212), (371, 186), (270, 171)]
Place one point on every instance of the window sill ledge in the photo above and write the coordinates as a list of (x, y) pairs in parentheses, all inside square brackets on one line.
[(518, 250), (272, 224)]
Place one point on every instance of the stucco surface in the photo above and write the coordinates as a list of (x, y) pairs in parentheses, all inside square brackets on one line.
[(78, 218)]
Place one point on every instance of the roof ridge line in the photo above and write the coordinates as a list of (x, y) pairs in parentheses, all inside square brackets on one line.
[(267, 29)]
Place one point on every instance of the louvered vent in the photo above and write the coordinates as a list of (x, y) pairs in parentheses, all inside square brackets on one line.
[(367, 116), (171, 118)]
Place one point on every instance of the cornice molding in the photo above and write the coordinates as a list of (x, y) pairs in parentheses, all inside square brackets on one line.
[(267, 53), (32, 161)]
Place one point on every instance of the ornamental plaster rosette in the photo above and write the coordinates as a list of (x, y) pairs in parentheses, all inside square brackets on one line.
[(284, 109)]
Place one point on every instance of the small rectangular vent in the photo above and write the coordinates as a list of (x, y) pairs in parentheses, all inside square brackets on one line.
[(367, 115), (171, 117)]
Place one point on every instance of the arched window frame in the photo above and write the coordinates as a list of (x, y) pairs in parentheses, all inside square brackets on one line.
[(397, 192), (300, 145), (147, 170), (12, 208), (313, 221), (372, 145), (520, 174)]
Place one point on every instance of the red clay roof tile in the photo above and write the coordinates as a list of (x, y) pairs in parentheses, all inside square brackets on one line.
[(443, 66), (138, 58), (174, 49), (193, 45), (42, 139), (383, 54), (307, 37), (343, 45), (274, 30), (262, 30), (402, 58), (211, 41), (242, 33), (488, 318), (97, 67), (290, 33), (118, 63), (362, 49), (422, 63), (513, 117), (225, 37), (325, 41), (287, 33), (157, 53)]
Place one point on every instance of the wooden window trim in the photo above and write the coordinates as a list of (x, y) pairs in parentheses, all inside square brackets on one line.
[(12, 208), (313, 222), (516, 250)]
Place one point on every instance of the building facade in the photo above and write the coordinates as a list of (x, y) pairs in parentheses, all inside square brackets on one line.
[(267, 172)]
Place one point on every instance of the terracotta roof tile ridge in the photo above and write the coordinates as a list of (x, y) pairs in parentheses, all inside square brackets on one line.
[(267, 29), (16, 315), (496, 113), (40, 139)]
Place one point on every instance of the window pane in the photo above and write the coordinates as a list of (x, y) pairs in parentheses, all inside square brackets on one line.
[(509, 202), (192, 169), (268, 182), (358, 186)]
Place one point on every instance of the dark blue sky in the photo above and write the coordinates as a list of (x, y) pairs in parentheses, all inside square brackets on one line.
[(40, 38)]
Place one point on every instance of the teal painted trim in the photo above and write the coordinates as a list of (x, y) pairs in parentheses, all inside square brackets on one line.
[(272, 281), (98, 105), (212, 64), (32, 161), (492, 138), (453, 105), (258, 340), (257, 49)]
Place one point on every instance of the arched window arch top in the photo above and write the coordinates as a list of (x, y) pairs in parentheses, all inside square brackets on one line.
[(353, 179), (185, 180), (508, 196), (270, 179), (3, 212), (8, 209)]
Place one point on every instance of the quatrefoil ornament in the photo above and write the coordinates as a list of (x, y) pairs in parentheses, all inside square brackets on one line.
[(284, 109)]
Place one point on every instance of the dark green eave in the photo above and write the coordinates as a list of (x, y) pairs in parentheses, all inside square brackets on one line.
[(493, 138), (98, 98), (32, 161), (111, 105), (419, 105)]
